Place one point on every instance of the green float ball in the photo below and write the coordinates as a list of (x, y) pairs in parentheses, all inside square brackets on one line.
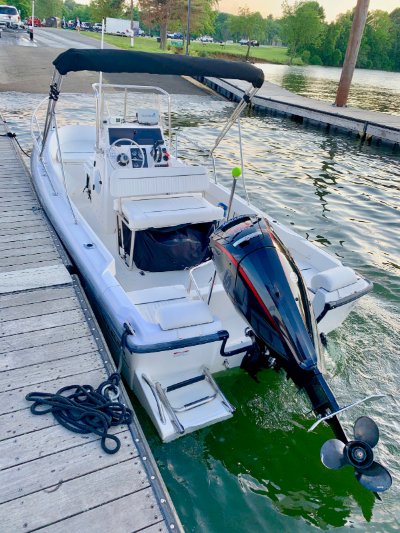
[(236, 172)]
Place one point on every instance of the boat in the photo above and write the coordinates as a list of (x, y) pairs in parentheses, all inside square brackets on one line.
[(189, 279)]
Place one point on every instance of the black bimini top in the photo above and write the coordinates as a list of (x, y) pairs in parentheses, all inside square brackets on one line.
[(74, 60)]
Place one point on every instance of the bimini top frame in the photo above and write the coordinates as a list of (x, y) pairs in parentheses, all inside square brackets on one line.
[(118, 61), (75, 60)]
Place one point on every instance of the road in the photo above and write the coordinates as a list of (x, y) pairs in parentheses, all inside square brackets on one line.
[(26, 66)]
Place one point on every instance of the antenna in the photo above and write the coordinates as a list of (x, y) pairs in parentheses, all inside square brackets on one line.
[(99, 107)]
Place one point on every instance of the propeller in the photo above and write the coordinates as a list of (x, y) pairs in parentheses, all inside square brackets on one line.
[(358, 453)]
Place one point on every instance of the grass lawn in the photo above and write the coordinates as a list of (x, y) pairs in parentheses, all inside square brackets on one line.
[(270, 54)]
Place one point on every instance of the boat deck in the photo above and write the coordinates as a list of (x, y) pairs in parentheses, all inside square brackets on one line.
[(52, 479), (368, 125)]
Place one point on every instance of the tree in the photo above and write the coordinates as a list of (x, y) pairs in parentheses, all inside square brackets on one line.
[(159, 13), (326, 49), (378, 39), (395, 51), (302, 26), (172, 15), (71, 10), (202, 17), (23, 6), (48, 8), (273, 30), (222, 25), (249, 25), (100, 9)]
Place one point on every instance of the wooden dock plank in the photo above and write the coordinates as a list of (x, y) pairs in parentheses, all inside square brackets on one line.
[(23, 237), (45, 336), (12, 401), (34, 278), (45, 321), (115, 481), (34, 220), (48, 352), (22, 246), (35, 374), (19, 230), (31, 309), (52, 470), (19, 450), (116, 516), (24, 203), (12, 212), (16, 424), (36, 296), (36, 260)]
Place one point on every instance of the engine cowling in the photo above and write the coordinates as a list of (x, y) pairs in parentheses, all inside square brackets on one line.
[(260, 279)]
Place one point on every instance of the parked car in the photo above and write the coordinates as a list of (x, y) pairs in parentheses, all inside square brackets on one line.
[(37, 22), (176, 35), (9, 17), (246, 42), (97, 26), (206, 39), (71, 24), (51, 22), (86, 26)]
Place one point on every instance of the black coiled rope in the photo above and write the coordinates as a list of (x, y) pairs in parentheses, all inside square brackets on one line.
[(86, 410)]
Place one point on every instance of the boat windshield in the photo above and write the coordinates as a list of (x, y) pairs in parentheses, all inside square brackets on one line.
[(129, 104), (144, 136)]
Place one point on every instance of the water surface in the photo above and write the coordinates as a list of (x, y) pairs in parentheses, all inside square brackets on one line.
[(375, 90)]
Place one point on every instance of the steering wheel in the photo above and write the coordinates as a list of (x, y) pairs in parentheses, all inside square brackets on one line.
[(120, 156), (156, 151)]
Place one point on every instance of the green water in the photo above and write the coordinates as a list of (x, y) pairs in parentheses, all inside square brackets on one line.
[(260, 470)]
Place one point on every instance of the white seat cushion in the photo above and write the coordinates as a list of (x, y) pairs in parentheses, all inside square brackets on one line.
[(184, 314), (76, 151), (158, 294), (333, 279), (153, 181), (167, 212)]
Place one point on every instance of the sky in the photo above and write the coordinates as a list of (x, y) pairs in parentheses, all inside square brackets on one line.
[(332, 7)]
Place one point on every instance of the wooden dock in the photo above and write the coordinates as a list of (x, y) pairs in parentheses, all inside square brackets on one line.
[(51, 479), (369, 126)]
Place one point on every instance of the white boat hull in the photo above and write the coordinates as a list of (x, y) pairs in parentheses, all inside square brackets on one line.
[(163, 357)]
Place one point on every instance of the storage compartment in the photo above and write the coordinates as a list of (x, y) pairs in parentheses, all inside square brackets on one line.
[(174, 248)]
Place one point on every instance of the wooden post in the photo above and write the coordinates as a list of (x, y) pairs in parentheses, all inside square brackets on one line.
[(132, 32), (353, 47), (31, 30), (188, 28)]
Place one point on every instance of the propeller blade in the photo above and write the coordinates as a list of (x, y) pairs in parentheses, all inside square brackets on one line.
[(332, 455), (366, 430), (376, 478)]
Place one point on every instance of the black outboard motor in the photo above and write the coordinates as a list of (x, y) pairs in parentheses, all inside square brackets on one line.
[(261, 280), (266, 287)]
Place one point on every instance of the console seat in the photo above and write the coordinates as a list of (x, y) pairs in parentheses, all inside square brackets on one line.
[(167, 212)]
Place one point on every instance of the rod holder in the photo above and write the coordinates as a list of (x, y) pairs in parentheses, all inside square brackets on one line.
[(236, 173)]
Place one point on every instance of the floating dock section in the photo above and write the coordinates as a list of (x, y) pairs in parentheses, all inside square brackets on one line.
[(51, 479), (367, 125)]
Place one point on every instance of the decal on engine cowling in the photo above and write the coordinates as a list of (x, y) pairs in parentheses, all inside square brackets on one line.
[(247, 238)]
